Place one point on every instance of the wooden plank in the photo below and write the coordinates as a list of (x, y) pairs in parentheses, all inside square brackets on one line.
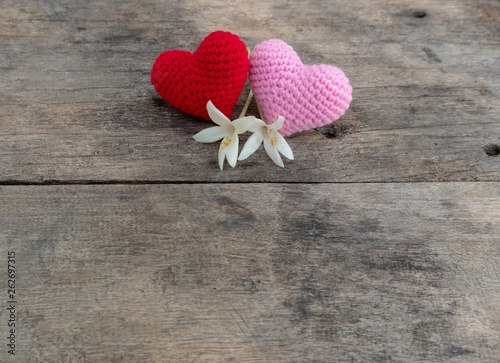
[(77, 104), (254, 272)]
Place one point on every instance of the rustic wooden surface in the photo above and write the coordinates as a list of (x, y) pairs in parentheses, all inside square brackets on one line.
[(77, 103), (379, 242), (256, 272)]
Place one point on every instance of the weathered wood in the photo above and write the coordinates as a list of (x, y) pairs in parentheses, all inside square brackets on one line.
[(251, 272), (77, 104), (255, 272)]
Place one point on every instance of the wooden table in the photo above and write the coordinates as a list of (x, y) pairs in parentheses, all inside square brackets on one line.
[(379, 242)]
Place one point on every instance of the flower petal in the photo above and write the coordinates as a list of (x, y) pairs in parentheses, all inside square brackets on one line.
[(278, 124), (232, 150), (251, 145), (273, 153), (211, 134), (257, 125), (222, 155), (282, 146), (218, 117), (243, 124)]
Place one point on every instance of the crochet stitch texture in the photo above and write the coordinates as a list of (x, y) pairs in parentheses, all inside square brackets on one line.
[(306, 96), (216, 71)]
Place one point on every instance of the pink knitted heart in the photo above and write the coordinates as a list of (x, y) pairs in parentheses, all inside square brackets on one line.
[(306, 96)]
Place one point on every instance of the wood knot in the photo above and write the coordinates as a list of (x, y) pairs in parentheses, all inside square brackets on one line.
[(492, 150)]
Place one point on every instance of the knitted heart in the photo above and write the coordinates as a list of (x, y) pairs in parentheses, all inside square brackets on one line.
[(306, 96), (216, 71)]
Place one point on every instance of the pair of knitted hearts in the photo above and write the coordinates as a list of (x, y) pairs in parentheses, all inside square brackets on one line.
[(306, 96)]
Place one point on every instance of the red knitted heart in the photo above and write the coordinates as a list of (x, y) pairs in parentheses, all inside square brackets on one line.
[(216, 71)]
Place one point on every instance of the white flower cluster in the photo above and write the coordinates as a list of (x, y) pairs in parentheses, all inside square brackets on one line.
[(228, 132)]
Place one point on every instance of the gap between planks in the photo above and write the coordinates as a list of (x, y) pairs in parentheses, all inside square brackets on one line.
[(161, 182)]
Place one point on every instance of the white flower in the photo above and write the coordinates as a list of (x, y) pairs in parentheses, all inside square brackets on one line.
[(274, 143), (226, 130)]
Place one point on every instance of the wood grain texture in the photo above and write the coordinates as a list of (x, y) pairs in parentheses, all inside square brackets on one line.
[(255, 272), (77, 104), (329, 261)]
